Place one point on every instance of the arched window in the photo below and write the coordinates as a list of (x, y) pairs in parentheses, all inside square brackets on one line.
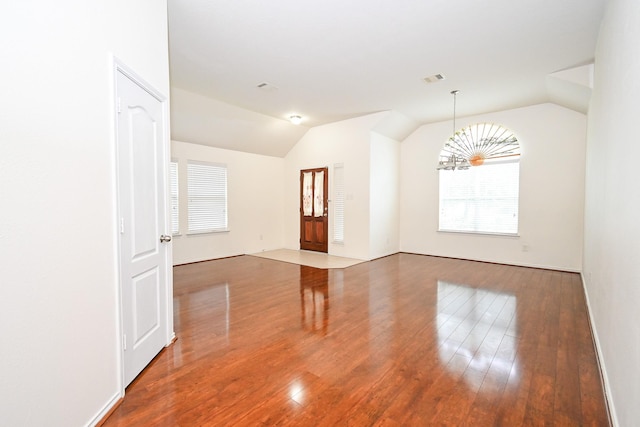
[(479, 172)]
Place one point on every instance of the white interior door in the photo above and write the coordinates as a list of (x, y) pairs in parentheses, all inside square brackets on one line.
[(144, 274)]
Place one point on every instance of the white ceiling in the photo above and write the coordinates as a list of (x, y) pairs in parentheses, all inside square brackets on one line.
[(335, 59)]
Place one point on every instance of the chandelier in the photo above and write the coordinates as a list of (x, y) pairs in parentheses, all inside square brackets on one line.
[(472, 145)]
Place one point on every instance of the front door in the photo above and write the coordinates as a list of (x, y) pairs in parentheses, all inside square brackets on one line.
[(144, 252), (314, 210)]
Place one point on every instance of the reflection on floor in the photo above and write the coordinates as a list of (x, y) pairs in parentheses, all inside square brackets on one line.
[(314, 299), (311, 259), (404, 340), (478, 326)]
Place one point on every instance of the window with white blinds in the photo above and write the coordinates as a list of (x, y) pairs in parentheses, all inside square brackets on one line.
[(207, 194), (173, 184), (338, 203), (482, 199)]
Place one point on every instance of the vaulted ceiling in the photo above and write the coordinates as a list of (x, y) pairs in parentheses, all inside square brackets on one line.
[(335, 59)]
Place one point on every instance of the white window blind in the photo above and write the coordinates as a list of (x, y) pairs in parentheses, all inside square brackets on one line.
[(482, 199), (173, 184), (338, 203), (207, 194)]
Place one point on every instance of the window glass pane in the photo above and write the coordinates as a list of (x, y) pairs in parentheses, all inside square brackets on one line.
[(482, 199), (338, 203), (207, 191), (318, 200), (307, 193), (173, 183)]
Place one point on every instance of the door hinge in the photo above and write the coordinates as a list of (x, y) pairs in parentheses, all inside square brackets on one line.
[(121, 225), (124, 341)]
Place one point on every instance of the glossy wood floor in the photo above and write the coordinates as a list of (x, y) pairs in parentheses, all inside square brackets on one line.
[(406, 340)]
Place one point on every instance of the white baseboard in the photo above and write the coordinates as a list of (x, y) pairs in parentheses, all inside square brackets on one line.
[(601, 367), (502, 262), (105, 410)]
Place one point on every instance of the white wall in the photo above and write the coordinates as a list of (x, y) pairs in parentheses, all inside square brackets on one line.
[(551, 191), (202, 120), (612, 227), (384, 196), (255, 204), (346, 142), (60, 352)]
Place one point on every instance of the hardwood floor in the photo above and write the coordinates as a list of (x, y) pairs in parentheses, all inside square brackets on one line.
[(405, 340)]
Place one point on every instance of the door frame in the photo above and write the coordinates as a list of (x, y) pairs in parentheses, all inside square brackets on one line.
[(117, 67)]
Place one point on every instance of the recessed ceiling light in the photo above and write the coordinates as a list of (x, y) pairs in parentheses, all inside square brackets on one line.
[(295, 119), (434, 78)]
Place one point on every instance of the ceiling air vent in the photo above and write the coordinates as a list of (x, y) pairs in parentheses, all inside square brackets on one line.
[(267, 87), (434, 78)]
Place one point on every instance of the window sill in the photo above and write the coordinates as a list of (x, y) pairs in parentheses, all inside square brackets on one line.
[(199, 233), (480, 233)]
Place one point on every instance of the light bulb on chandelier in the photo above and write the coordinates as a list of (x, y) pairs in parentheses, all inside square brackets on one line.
[(476, 160)]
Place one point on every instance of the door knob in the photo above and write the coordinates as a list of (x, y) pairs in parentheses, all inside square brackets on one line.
[(164, 238)]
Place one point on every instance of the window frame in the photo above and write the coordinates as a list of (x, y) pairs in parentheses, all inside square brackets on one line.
[(487, 164), (195, 202)]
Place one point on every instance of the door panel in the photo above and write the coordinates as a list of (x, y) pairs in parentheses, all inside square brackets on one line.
[(143, 181), (308, 232), (142, 210), (314, 209), (320, 234), (146, 302)]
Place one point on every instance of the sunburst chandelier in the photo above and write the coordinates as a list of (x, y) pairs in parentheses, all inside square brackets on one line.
[(474, 144)]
